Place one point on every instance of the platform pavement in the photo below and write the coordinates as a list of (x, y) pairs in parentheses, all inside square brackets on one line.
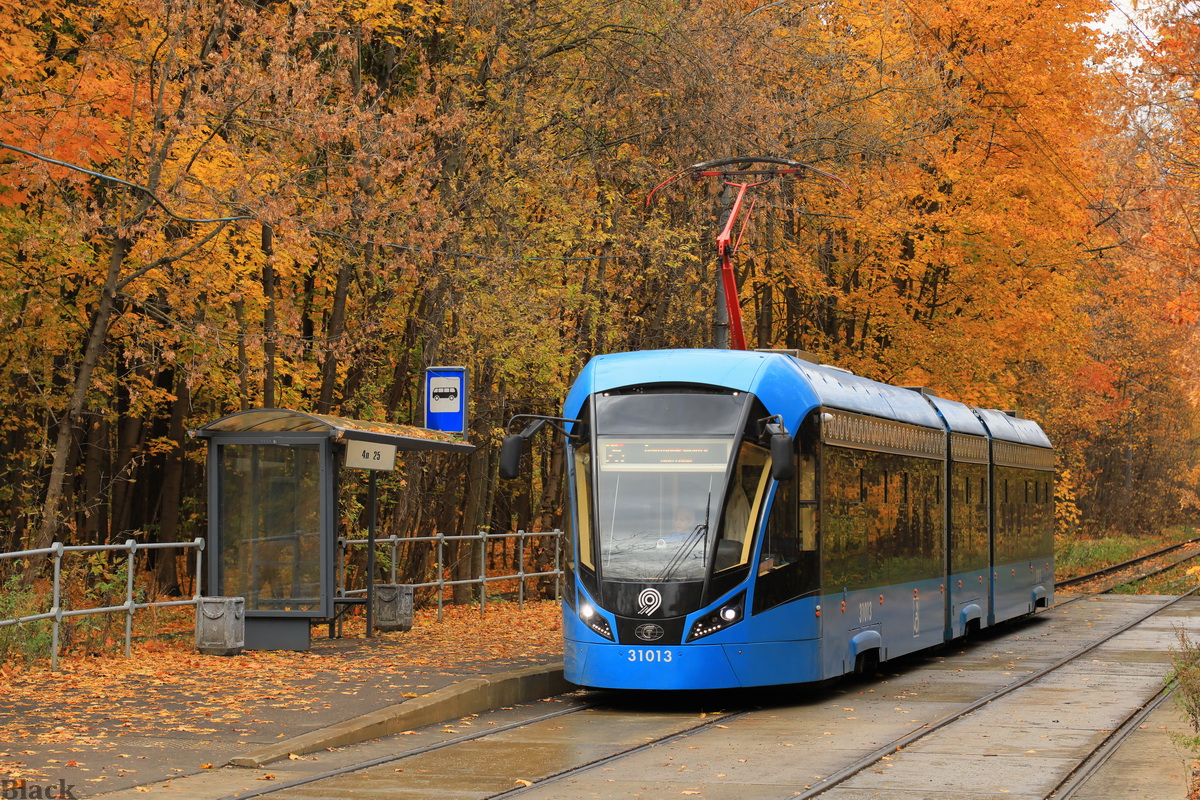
[(156, 733)]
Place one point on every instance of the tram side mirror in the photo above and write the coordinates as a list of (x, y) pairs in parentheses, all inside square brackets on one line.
[(783, 459), (513, 446), (510, 456)]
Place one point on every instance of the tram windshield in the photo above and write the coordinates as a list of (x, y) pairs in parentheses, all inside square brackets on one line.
[(666, 506), (669, 484), (658, 503)]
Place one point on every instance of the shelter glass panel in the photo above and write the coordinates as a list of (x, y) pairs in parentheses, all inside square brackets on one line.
[(270, 518)]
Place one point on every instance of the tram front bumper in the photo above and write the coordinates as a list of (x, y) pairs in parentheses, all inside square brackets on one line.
[(690, 666), (623, 666)]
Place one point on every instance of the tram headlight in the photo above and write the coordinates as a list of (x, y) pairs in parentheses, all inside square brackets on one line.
[(589, 617), (728, 614)]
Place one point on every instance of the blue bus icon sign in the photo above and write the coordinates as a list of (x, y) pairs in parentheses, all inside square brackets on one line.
[(446, 399)]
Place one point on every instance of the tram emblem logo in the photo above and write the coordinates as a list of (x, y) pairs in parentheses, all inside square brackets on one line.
[(650, 600), (649, 632)]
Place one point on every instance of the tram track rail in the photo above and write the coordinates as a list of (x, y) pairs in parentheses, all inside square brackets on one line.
[(1113, 569), (1063, 791), (409, 753), (1079, 777), (711, 720), (879, 754), (720, 719)]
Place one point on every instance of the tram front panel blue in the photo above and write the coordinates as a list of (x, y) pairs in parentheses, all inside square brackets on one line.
[(751, 652)]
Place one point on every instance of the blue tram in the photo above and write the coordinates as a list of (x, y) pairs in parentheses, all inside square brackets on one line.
[(750, 518)]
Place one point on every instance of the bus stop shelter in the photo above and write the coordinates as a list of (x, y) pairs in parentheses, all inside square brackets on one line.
[(273, 478)]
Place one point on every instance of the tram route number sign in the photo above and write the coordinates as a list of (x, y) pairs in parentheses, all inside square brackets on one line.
[(370, 455), (446, 399)]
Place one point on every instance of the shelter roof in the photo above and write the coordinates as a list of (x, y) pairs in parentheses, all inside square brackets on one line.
[(279, 420)]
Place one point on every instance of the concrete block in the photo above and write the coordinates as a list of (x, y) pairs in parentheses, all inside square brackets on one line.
[(393, 607), (220, 625)]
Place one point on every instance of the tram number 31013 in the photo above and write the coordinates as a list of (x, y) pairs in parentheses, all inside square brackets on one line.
[(655, 656)]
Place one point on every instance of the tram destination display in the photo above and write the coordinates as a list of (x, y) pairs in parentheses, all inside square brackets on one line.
[(642, 455)]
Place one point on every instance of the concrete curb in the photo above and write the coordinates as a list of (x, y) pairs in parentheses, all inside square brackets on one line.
[(471, 696)]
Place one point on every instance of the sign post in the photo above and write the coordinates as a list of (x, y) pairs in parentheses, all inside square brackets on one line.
[(374, 457), (446, 399)]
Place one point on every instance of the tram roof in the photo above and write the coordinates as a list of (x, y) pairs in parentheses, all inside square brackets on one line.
[(838, 388), (279, 420), (959, 416), (1009, 428), (831, 387)]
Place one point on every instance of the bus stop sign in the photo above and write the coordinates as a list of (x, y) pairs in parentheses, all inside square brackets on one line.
[(446, 399)]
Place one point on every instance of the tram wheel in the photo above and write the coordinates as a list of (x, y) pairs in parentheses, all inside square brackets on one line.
[(867, 663)]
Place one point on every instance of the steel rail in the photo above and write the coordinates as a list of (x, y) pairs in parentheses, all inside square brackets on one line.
[(1087, 768), (1100, 573), (865, 762), (599, 762), (873, 758), (416, 751)]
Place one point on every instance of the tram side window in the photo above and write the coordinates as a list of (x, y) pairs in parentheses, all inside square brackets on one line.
[(583, 490), (788, 567), (751, 474), (844, 519), (969, 528), (807, 483), (883, 540), (1022, 523)]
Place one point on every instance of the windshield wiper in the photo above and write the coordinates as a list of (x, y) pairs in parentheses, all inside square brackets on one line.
[(698, 534)]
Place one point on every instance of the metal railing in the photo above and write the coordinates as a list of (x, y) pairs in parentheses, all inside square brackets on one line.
[(442, 581), (57, 613)]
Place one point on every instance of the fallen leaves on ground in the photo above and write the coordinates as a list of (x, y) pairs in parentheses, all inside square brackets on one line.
[(167, 689)]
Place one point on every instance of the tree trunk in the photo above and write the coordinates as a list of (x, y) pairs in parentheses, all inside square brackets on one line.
[(95, 508), (172, 486), (131, 432), (471, 557), (334, 333), (268, 281), (92, 351), (243, 359)]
